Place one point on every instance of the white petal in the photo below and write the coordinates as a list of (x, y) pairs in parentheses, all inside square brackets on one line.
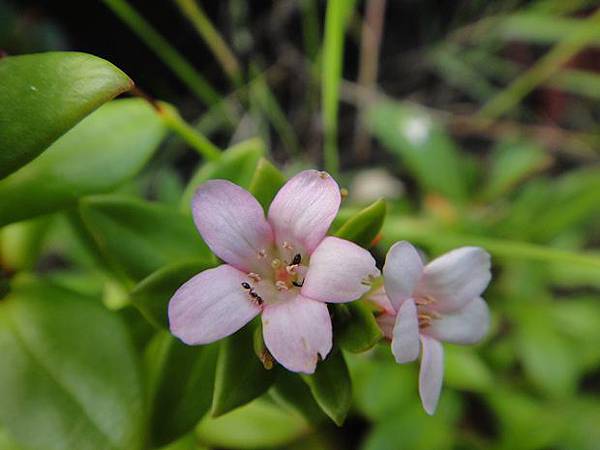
[(296, 332), (304, 208), (339, 271), (402, 271), (431, 374), (457, 277), (467, 325), (405, 340), (210, 306), (232, 223)]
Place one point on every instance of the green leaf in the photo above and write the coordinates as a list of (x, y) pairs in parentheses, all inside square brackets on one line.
[(151, 295), (511, 163), (236, 164), (356, 329), (363, 227), (21, 243), (68, 371), (259, 424), (241, 376), (267, 180), (139, 237), (291, 392), (181, 380), (463, 369), (104, 150), (424, 147), (44, 95), (331, 386)]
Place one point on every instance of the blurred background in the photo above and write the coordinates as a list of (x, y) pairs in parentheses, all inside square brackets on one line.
[(478, 121)]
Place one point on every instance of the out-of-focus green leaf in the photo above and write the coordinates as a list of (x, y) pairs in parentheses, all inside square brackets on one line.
[(68, 371), (21, 243), (427, 151), (290, 391), (181, 380), (6, 442), (139, 237), (236, 164), (267, 180), (463, 369), (151, 295), (548, 360), (101, 152), (511, 162), (363, 227), (44, 95), (259, 424), (241, 376), (331, 386), (355, 327)]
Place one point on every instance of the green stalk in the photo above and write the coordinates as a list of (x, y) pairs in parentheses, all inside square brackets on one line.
[(540, 72), (188, 133), (196, 15), (166, 53), (333, 53), (426, 234)]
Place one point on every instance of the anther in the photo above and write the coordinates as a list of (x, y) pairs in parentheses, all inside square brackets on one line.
[(246, 285), (276, 263), (344, 193), (298, 283), (262, 253), (323, 175), (254, 277), (281, 286), (297, 259), (291, 269), (287, 245)]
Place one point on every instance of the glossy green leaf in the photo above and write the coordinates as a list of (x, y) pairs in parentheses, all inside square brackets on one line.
[(422, 146), (259, 424), (511, 163), (355, 327), (21, 243), (68, 371), (181, 380), (139, 237), (236, 164), (331, 386), (44, 95), (241, 376), (151, 295), (292, 392), (267, 180), (363, 227), (104, 150)]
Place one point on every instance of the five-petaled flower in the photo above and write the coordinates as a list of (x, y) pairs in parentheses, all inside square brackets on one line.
[(423, 305), (282, 266)]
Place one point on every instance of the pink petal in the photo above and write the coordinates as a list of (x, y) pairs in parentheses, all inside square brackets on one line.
[(303, 209), (210, 306), (338, 271), (467, 325), (296, 332), (431, 373), (380, 299), (401, 273), (232, 223), (405, 341), (386, 322), (457, 277)]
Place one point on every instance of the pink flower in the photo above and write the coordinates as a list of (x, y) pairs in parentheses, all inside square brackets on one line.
[(283, 267), (429, 304)]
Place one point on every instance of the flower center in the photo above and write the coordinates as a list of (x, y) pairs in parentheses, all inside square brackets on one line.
[(282, 275), (426, 312)]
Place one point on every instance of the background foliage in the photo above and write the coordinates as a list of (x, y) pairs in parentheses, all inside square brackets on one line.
[(476, 121)]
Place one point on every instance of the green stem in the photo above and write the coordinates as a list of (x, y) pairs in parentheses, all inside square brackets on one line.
[(540, 72), (188, 133), (426, 234), (333, 52), (169, 55), (196, 15)]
